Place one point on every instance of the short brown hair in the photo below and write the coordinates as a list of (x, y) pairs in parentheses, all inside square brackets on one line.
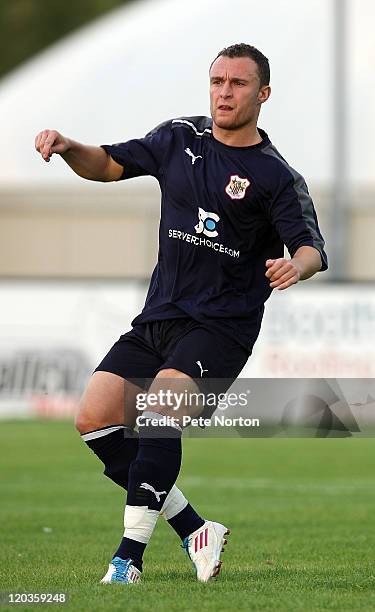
[(244, 50)]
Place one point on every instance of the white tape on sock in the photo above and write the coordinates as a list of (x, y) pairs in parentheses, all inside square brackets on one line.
[(139, 523), (174, 503)]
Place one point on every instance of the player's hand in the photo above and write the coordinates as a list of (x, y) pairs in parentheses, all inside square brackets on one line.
[(49, 142), (282, 273)]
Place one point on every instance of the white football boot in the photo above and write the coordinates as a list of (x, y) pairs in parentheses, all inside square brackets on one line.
[(121, 570), (204, 547)]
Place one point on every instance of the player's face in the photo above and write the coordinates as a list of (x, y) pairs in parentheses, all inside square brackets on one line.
[(235, 93)]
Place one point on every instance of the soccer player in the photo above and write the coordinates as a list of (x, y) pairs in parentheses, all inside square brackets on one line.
[(230, 202)]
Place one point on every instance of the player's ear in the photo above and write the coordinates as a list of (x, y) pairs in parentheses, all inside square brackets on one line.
[(264, 93)]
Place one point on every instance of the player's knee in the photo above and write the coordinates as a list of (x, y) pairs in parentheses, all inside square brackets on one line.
[(84, 422), (80, 423)]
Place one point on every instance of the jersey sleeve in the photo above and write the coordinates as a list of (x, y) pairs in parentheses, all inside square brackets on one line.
[(142, 156), (292, 213)]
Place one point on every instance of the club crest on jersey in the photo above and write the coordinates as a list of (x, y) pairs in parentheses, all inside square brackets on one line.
[(236, 187)]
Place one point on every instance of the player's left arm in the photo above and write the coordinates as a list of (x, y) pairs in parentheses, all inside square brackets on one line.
[(282, 273), (292, 213)]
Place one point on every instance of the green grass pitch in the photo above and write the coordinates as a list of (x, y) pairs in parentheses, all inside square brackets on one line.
[(301, 513)]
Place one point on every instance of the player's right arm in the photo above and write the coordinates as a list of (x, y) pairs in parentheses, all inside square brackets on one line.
[(89, 162)]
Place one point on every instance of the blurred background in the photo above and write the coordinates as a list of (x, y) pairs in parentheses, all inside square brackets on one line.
[(76, 257)]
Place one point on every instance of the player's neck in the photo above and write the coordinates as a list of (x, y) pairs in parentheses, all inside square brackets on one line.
[(244, 137)]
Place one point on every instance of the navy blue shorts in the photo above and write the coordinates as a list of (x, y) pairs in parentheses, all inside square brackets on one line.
[(213, 360)]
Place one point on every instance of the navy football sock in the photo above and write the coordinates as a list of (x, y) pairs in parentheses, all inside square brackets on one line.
[(116, 446), (131, 549), (154, 471), (151, 476), (186, 521)]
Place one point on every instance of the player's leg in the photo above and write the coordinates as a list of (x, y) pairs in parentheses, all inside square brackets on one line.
[(157, 464), (107, 410), (106, 426), (153, 473), (107, 416), (214, 361)]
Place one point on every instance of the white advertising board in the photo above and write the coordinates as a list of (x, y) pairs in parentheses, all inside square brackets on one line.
[(53, 334)]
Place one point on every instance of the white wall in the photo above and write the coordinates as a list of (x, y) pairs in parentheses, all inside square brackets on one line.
[(52, 335)]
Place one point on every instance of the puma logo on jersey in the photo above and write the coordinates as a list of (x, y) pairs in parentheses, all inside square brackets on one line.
[(149, 487), (193, 157), (201, 368)]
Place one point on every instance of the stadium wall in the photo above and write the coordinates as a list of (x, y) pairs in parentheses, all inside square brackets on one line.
[(112, 232)]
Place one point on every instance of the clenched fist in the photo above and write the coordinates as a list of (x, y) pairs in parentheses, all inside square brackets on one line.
[(49, 142), (282, 273)]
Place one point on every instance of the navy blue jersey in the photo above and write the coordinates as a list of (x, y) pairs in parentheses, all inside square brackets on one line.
[(224, 211)]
